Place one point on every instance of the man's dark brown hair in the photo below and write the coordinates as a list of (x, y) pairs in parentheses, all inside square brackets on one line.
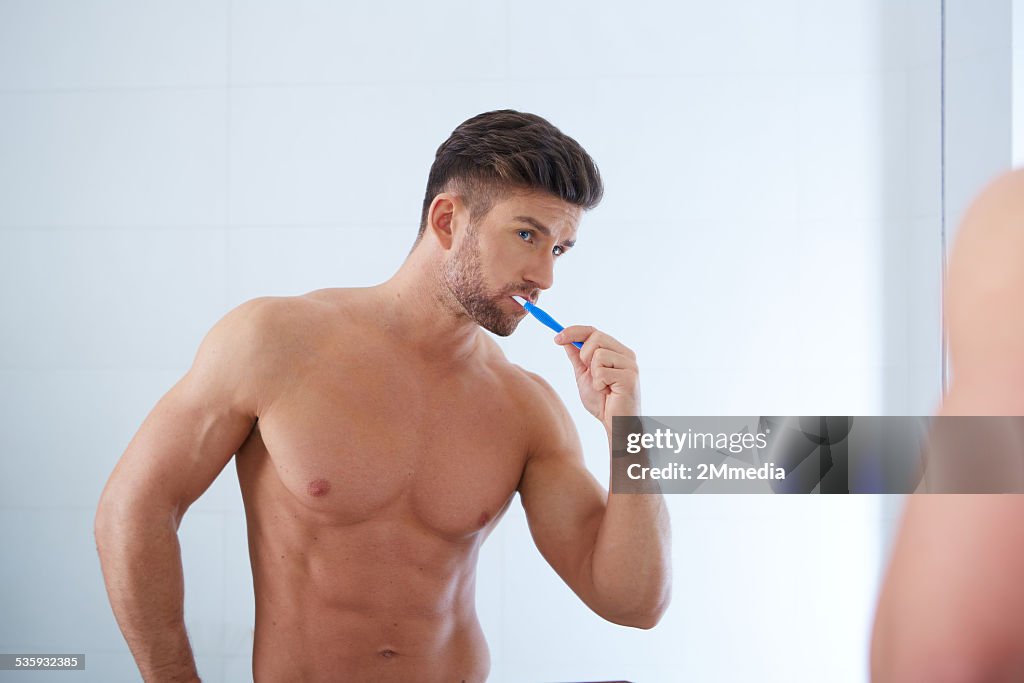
[(498, 152)]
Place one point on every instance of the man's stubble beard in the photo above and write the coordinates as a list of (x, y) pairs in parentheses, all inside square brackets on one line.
[(463, 277)]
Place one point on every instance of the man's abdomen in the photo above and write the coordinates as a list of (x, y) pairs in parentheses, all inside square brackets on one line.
[(337, 645), (376, 601)]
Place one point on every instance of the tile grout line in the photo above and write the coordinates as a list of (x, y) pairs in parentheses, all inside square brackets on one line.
[(944, 350), (493, 80), (227, 156), (305, 225), (223, 593), (226, 303)]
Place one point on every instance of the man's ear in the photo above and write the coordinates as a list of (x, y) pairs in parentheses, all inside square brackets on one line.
[(441, 218)]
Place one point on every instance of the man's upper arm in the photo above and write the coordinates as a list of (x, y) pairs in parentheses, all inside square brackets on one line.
[(195, 429), (952, 599), (564, 503)]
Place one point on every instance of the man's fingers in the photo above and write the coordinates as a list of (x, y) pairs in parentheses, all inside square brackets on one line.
[(623, 380), (578, 365), (604, 357), (575, 333), (596, 338), (599, 350)]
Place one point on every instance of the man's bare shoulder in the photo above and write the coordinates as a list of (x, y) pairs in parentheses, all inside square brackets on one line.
[(540, 391), (282, 333), (287, 320), (988, 253), (983, 291), (273, 323), (540, 404)]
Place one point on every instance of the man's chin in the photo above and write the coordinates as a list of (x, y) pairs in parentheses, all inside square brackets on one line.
[(503, 328), (493, 316)]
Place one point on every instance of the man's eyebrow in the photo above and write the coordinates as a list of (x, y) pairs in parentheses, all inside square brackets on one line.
[(542, 228)]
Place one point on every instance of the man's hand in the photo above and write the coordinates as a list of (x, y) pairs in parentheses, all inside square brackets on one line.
[(612, 549), (606, 373)]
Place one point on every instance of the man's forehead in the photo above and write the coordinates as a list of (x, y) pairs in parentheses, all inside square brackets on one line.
[(547, 210)]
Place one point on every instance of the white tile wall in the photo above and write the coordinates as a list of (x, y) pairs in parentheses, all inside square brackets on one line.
[(237, 669), (979, 101), (701, 147), (912, 340), (976, 28), (346, 154), (65, 430), (848, 161), (771, 221), (111, 43), (840, 282), (112, 158), (567, 40), (923, 26), (317, 41), (109, 297), (202, 537), (1018, 82), (53, 597), (296, 259), (725, 569), (923, 132), (854, 37)]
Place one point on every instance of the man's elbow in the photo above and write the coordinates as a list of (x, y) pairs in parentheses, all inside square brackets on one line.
[(120, 511), (647, 620), (643, 616), (104, 522), (108, 525)]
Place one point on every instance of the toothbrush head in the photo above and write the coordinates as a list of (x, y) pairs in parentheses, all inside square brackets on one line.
[(520, 300)]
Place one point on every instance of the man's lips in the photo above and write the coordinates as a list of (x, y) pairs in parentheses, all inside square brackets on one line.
[(516, 304), (531, 298)]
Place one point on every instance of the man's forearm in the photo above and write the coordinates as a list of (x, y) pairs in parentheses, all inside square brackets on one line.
[(141, 561), (631, 563)]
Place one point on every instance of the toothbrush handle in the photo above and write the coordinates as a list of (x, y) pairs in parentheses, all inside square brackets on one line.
[(542, 316)]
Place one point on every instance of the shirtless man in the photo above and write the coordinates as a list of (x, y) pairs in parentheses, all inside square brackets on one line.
[(381, 434), (951, 609)]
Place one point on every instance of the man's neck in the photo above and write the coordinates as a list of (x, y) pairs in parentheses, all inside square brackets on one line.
[(415, 308)]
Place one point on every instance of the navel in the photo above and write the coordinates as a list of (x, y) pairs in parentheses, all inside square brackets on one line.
[(484, 518), (318, 488)]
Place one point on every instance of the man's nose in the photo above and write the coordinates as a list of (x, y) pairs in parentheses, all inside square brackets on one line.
[(541, 273)]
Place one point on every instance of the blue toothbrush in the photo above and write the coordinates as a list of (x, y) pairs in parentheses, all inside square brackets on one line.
[(542, 316)]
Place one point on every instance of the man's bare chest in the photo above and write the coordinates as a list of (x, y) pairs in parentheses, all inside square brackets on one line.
[(366, 447)]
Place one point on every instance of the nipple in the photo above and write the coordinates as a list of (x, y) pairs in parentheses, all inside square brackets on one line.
[(318, 488)]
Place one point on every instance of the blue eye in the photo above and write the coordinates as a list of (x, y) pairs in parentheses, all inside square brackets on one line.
[(527, 236)]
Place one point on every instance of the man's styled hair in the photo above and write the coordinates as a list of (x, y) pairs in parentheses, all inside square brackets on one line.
[(499, 152)]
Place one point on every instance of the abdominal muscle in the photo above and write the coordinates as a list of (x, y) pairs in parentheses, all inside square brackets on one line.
[(330, 615), (383, 599)]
